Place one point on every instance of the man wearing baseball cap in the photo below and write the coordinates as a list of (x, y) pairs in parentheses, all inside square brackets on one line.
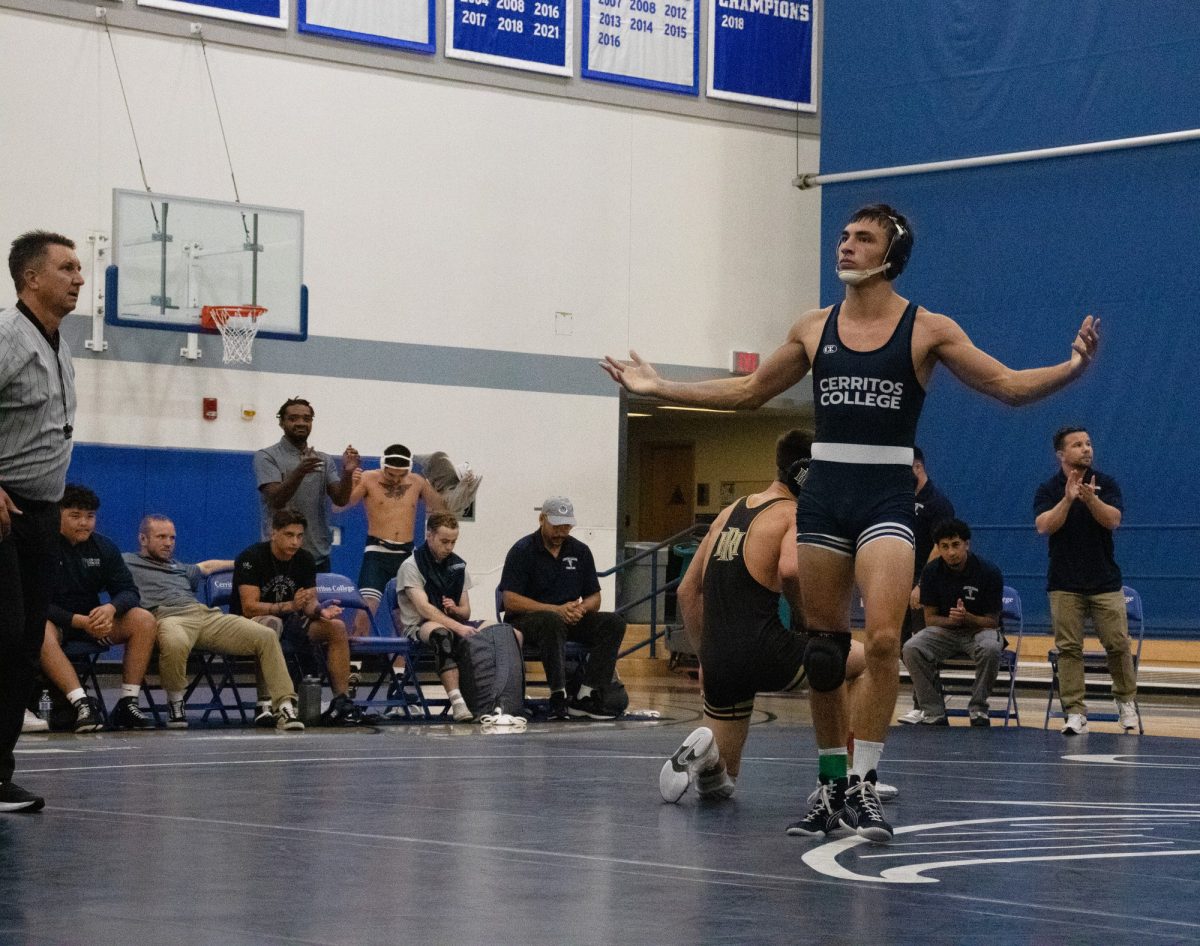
[(552, 594)]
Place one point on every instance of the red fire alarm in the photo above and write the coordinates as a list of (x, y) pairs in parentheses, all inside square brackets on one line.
[(743, 362), (210, 408)]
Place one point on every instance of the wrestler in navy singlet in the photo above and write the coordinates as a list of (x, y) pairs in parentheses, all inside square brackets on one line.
[(860, 485), (745, 648)]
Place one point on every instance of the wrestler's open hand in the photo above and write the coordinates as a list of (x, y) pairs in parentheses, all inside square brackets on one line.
[(1086, 343), (635, 375)]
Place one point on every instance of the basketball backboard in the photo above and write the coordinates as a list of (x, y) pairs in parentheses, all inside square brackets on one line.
[(172, 255)]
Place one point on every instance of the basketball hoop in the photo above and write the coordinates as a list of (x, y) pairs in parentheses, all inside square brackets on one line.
[(238, 324)]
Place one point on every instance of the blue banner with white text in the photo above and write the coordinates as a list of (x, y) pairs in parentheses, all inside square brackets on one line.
[(258, 12), (761, 52), (519, 34)]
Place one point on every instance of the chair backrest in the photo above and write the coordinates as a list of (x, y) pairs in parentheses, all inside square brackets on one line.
[(384, 624), (1135, 616), (218, 589), (334, 588), (1011, 614)]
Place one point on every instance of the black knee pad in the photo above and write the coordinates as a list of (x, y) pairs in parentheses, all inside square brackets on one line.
[(441, 642), (825, 659)]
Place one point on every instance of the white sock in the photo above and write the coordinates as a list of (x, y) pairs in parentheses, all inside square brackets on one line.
[(456, 696), (866, 757), (76, 695), (130, 689), (174, 696), (585, 691)]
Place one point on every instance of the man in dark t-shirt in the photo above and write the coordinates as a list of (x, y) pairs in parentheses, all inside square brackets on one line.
[(275, 583), (1079, 508), (962, 595)]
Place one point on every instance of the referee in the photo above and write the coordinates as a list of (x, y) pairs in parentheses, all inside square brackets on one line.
[(37, 413)]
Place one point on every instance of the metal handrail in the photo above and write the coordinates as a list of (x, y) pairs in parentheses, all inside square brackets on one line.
[(695, 530)]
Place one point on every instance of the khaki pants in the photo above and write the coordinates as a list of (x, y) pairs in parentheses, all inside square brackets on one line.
[(181, 629), (1107, 611)]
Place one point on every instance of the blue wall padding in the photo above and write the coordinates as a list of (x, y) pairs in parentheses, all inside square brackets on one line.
[(210, 495), (1019, 253)]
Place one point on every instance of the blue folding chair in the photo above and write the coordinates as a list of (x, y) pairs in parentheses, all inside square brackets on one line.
[(1096, 661), (387, 643), (1010, 617)]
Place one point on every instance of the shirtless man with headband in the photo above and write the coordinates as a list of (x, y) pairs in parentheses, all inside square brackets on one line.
[(390, 496), (871, 356)]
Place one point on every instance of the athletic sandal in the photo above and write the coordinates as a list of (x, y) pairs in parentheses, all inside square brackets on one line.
[(698, 751)]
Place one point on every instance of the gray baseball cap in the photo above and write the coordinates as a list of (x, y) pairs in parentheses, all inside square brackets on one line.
[(558, 511)]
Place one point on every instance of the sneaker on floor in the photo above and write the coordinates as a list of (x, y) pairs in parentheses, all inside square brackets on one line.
[(342, 712), (1127, 716), (824, 813), (87, 716), (1076, 725), (716, 785), (396, 712), (912, 717), (286, 719), (590, 707), (460, 711), (176, 715), (980, 718), (863, 811), (34, 723), (557, 708), (264, 716), (128, 715), (698, 751), (885, 791), (14, 798), (928, 720)]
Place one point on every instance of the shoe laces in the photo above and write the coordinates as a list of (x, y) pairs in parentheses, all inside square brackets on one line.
[(500, 722), (868, 799)]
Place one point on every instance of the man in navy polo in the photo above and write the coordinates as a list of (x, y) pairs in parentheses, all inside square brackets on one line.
[(1079, 508), (962, 595), (552, 594)]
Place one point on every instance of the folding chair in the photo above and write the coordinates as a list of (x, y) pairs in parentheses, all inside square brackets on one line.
[(1010, 617), (1096, 661), (403, 688)]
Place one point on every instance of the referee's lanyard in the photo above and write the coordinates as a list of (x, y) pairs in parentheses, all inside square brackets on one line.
[(67, 429)]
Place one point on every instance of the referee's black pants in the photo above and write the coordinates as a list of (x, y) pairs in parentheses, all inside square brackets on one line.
[(27, 568)]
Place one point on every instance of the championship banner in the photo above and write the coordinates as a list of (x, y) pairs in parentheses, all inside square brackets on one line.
[(403, 24), (259, 12), (520, 34), (761, 52), (650, 43)]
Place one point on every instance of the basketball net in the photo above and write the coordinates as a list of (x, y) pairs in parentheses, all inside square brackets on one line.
[(238, 324)]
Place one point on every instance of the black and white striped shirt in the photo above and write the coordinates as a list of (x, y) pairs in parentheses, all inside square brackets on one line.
[(37, 400)]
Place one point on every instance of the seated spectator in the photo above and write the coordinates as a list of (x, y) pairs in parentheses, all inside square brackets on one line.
[(168, 590), (434, 605), (275, 584), (90, 564), (962, 595), (552, 594)]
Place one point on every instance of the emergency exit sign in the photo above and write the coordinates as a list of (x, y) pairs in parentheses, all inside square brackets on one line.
[(743, 362)]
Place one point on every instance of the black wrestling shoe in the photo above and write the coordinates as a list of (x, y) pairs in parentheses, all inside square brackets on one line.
[(14, 798), (863, 811), (128, 715), (87, 716), (557, 707), (825, 815)]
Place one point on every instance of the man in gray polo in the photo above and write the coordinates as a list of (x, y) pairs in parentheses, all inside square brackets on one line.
[(37, 404), (291, 473)]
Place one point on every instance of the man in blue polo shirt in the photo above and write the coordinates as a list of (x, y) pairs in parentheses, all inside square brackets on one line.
[(1079, 508), (962, 595), (552, 594)]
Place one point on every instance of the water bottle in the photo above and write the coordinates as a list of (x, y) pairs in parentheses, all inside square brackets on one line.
[(310, 700), (44, 706)]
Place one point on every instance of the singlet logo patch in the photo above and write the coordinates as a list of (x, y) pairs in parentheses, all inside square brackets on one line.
[(729, 545), (829, 350)]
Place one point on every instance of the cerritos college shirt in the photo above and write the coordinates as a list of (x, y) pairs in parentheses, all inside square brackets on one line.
[(530, 570)]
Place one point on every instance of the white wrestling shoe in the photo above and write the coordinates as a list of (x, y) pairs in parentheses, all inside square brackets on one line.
[(698, 751), (912, 717)]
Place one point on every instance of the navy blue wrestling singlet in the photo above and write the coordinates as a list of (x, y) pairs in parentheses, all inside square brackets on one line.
[(860, 485)]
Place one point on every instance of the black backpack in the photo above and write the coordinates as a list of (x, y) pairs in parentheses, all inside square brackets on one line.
[(491, 671)]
